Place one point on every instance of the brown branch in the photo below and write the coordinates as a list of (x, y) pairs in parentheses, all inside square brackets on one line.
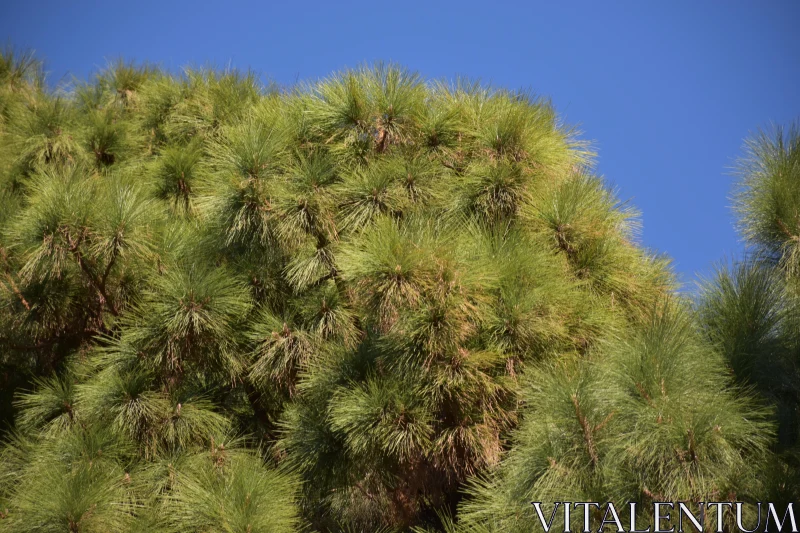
[(381, 139), (109, 266), (604, 422), (17, 292), (105, 301), (74, 245), (791, 236), (644, 394), (587, 431), (563, 242), (651, 495), (14, 288)]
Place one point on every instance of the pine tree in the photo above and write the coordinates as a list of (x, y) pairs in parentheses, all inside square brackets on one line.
[(649, 416), (751, 308), (682, 408), (229, 306)]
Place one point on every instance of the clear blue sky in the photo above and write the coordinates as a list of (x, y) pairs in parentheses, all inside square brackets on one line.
[(666, 90)]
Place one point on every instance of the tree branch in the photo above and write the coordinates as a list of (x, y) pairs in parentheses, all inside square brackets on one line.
[(74, 248), (587, 431)]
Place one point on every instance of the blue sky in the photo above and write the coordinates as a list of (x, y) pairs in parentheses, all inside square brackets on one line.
[(667, 91)]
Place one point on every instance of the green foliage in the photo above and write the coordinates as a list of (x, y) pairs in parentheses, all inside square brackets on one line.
[(648, 418), (232, 494), (225, 307), (769, 195), (747, 310), (751, 309)]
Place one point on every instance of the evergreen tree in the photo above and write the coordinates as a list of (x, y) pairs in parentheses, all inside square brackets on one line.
[(650, 416), (751, 308), (669, 410), (226, 306)]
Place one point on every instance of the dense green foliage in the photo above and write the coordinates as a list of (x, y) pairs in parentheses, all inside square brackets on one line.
[(751, 309), (367, 302)]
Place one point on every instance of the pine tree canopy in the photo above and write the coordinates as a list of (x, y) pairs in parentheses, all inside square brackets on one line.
[(373, 302)]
